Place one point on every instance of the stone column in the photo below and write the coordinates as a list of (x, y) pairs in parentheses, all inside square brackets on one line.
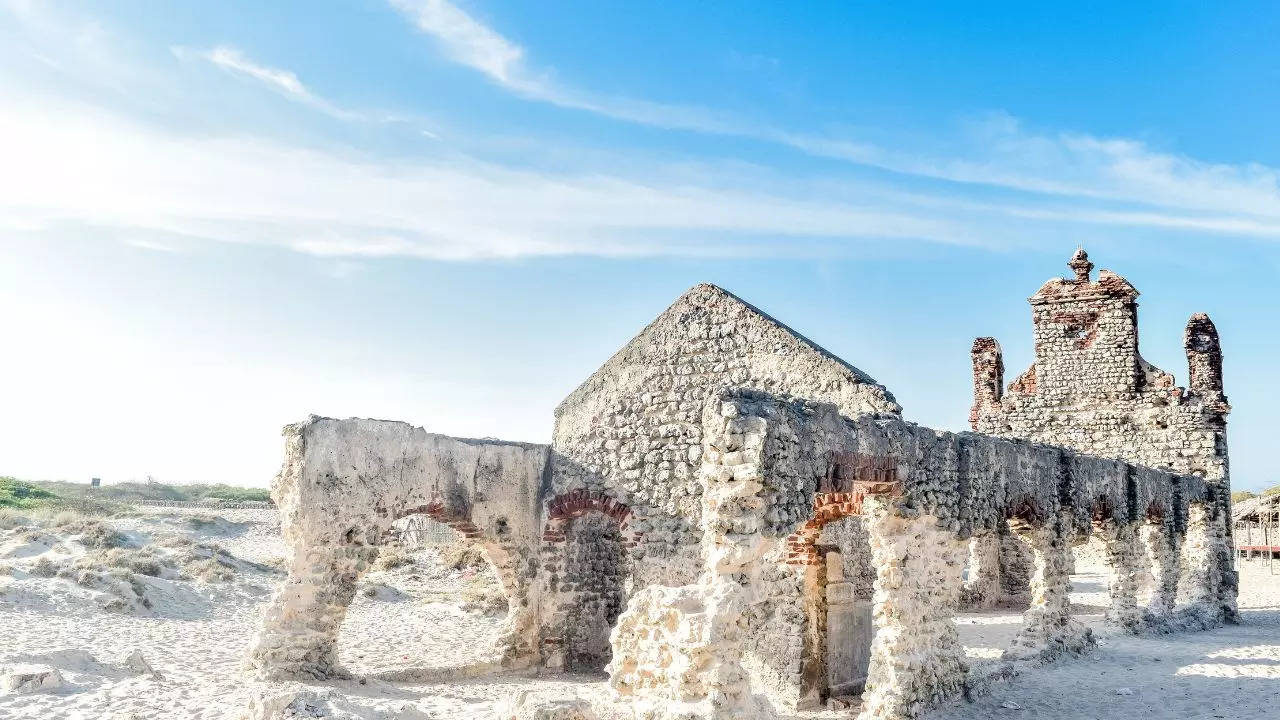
[(982, 589), (1163, 546), (299, 632), (1047, 626), (677, 651), (917, 661), (1200, 576), (1120, 541), (514, 646)]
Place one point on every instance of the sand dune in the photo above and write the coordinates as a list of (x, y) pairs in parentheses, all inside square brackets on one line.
[(179, 592)]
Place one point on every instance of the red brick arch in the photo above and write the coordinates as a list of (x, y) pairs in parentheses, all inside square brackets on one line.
[(850, 478), (565, 507), (436, 511)]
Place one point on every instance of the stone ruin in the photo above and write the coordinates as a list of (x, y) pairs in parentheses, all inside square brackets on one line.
[(732, 522)]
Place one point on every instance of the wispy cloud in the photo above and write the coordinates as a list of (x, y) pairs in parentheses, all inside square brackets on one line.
[(282, 82), (1000, 153), (71, 165), (82, 167), (468, 42)]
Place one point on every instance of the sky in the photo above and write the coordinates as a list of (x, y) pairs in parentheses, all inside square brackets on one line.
[(218, 218)]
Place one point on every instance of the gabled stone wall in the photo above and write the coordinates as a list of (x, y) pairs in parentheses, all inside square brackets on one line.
[(705, 473), (633, 429), (1090, 390)]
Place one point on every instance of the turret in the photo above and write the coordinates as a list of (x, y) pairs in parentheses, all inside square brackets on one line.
[(988, 377), (1204, 360)]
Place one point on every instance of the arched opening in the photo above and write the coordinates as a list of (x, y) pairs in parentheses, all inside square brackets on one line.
[(837, 586), (1108, 565), (1047, 626), (595, 559), (432, 600), (586, 567)]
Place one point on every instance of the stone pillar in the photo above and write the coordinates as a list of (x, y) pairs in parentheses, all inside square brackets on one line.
[(1200, 576), (917, 661), (1120, 540), (1047, 626), (982, 589), (1016, 565), (1163, 547), (514, 646), (1228, 580), (677, 651), (299, 632)]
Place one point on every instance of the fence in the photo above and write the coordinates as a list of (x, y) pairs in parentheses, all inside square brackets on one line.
[(1260, 537), (418, 531), (210, 504)]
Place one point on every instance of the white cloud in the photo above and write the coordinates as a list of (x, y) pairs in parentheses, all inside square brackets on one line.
[(283, 82), (76, 165), (1000, 154), (468, 42)]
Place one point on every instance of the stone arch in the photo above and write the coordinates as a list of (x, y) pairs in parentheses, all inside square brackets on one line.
[(1120, 541), (838, 628), (342, 485), (499, 638), (503, 554), (587, 542), (1047, 626)]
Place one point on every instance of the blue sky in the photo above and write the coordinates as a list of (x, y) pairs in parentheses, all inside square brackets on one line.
[(216, 218)]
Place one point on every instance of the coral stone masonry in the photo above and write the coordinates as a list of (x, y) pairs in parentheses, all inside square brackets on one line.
[(733, 523), (1091, 391)]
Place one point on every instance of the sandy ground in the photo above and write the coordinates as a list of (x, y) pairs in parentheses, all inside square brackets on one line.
[(198, 626)]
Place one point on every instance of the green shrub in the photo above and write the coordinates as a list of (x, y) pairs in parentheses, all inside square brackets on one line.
[(22, 495), (130, 492), (1242, 495)]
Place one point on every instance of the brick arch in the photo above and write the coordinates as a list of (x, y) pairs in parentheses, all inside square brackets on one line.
[(436, 511), (849, 479), (565, 507), (503, 557), (827, 507), (562, 510)]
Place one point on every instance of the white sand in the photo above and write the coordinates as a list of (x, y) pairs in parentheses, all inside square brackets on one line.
[(196, 633)]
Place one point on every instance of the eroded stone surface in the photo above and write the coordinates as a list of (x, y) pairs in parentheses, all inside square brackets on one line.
[(722, 483)]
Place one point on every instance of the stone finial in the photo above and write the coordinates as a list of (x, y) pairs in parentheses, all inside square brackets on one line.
[(1080, 265), (1204, 358), (988, 377)]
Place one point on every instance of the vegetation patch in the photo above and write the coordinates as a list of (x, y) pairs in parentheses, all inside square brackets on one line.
[(23, 496), (127, 492), (463, 555)]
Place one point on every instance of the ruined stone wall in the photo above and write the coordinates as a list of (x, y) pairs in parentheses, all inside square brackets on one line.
[(633, 429), (1090, 390), (342, 485), (849, 535), (965, 483), (594, 572)]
